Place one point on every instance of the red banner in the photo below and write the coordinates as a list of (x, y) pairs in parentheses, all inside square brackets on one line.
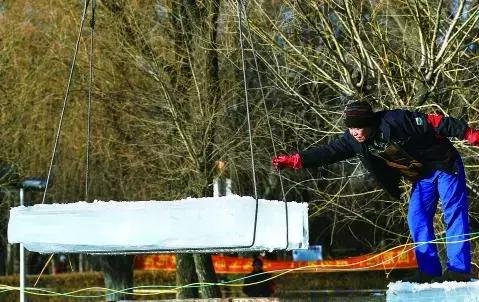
[(399, 258)]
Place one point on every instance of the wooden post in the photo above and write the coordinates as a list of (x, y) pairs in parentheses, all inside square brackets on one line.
[(22, 260)]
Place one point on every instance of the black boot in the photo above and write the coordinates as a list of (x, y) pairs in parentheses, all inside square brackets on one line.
[(456, 276)]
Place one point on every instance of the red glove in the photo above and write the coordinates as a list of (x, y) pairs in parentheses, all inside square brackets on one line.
[(472, 136), (288, 161)]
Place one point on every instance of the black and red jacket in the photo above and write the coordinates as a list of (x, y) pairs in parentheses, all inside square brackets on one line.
[(422, 136)]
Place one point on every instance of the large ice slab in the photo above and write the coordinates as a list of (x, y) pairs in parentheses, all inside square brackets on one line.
[(437, 292), (216, 224)]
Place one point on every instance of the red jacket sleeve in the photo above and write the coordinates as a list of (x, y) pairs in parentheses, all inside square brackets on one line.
[(434, 119), (438, 120), (447, 126)]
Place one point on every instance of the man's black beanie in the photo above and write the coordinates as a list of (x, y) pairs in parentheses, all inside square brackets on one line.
[(359, 115)]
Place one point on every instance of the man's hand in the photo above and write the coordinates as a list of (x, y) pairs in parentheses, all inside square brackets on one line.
[(472, 136), (288, 161)]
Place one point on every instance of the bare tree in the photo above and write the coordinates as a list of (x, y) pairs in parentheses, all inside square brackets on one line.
[(169, 99), (319, 55)]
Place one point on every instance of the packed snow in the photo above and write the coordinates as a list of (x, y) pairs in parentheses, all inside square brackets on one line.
[(437, 292), (215, 224)]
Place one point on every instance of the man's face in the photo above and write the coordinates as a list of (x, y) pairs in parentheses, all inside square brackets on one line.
[(361, 134)]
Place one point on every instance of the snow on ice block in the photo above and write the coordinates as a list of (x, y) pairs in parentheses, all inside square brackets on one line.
[(216, 223), (437, 292)]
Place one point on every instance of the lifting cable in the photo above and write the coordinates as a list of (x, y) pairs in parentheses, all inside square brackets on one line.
[(239, 7), (65, 99), (67, 93), (263, 98)]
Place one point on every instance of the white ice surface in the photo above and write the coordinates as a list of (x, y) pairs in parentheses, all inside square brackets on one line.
[(216, 223), (435, 292)]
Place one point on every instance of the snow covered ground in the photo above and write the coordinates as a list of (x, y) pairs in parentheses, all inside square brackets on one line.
[(216, 223), (435, 292)]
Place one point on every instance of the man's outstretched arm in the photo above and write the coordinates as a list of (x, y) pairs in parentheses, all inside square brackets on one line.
[(333, 152)]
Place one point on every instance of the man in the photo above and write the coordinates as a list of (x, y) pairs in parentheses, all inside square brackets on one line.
[(261, 284), (397, 143)]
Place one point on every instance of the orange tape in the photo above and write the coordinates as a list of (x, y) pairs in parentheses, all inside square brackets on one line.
[(398, 258)]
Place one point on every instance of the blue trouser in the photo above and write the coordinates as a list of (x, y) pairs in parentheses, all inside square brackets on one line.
[(451, 190)]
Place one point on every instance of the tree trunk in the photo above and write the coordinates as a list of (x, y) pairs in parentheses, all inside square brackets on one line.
[(3, 257), (186, 274), (204, 265), (206, 274), (118, 275), (9, 260)]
